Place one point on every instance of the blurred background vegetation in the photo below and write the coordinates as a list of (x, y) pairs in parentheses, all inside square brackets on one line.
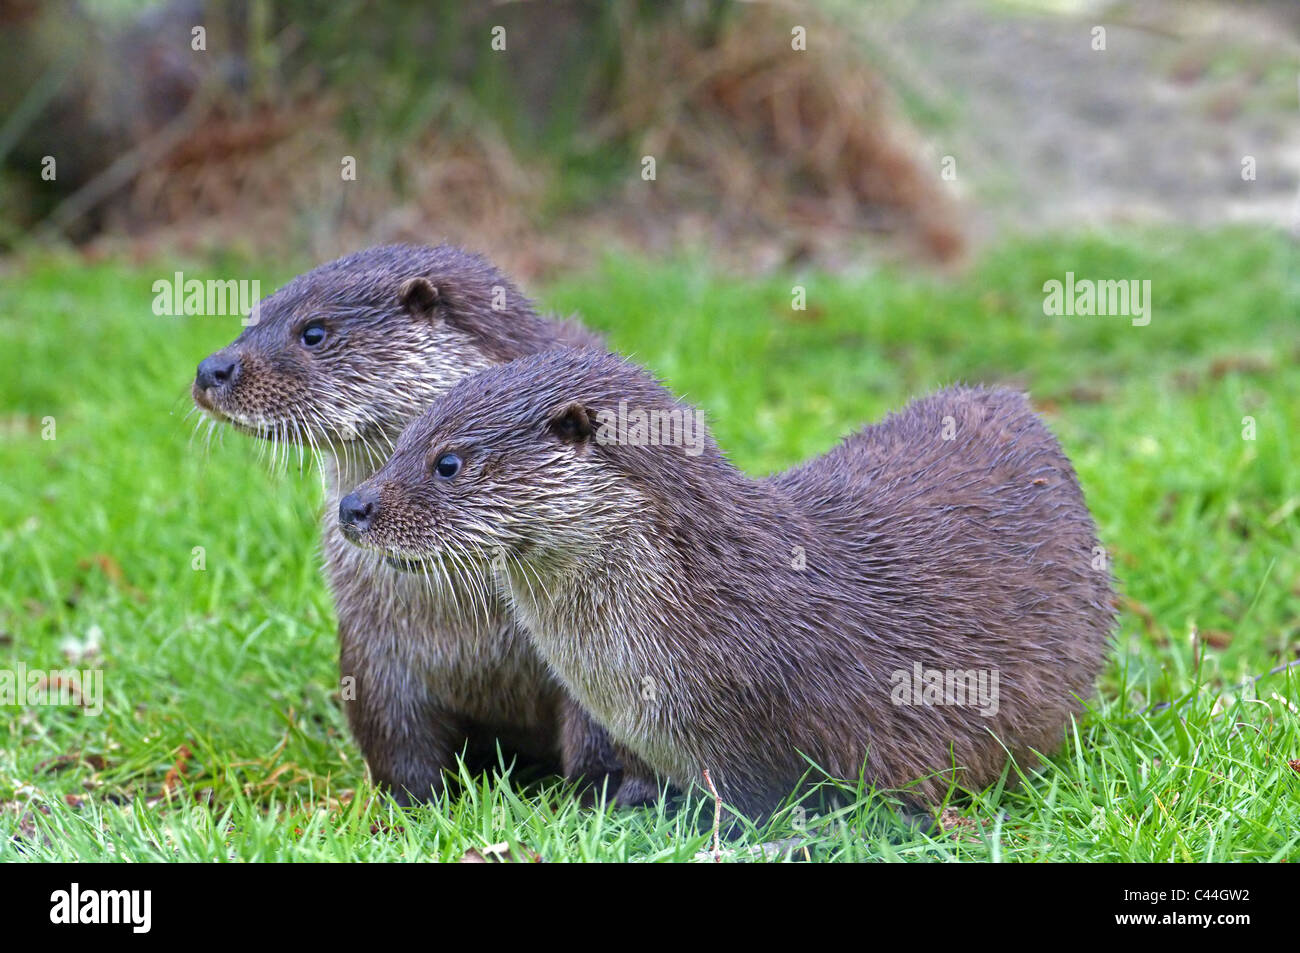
[(239, 145), (766, 155)]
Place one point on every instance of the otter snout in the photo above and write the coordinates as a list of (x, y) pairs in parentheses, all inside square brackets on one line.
[(357, 510), (217, 371)]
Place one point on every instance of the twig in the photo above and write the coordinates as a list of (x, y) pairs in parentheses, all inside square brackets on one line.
[(717, 817)]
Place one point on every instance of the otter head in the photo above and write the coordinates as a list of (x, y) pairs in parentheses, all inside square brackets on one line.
[(527, 465), (348, 353)]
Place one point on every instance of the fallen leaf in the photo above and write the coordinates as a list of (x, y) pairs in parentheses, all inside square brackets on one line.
[(1240, 364), (177, 770), (61, 683), (112, 571), (52, 765), (1217, 638), (1148, 619)]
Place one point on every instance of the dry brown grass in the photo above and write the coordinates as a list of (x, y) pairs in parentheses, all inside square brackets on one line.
[(757, 147), (777, 139)]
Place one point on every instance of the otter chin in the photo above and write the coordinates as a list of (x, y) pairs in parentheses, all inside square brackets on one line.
[(402, 564), (766, 631), (266, 430)]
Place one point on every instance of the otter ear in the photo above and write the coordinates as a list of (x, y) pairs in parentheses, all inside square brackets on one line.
[(572, 424), (419, 296)]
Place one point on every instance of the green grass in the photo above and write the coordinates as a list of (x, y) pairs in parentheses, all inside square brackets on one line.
[(237, 663)]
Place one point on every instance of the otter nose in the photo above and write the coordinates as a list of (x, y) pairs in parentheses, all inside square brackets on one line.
[(217, 370), (358, 509)]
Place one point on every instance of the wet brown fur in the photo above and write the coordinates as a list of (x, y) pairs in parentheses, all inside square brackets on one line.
[(667, 590)]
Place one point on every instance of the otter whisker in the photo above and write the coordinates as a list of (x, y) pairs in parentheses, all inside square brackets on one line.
[(429, 581), (466, 580)]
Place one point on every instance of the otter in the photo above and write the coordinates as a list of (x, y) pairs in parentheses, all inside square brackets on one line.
[(338, 361), (751, 627)]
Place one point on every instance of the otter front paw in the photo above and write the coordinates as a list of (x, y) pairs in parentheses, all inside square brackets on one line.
[(635, 791)]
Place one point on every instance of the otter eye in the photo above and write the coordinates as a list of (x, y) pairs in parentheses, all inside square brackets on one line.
[(313, 334), (448, 466)]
